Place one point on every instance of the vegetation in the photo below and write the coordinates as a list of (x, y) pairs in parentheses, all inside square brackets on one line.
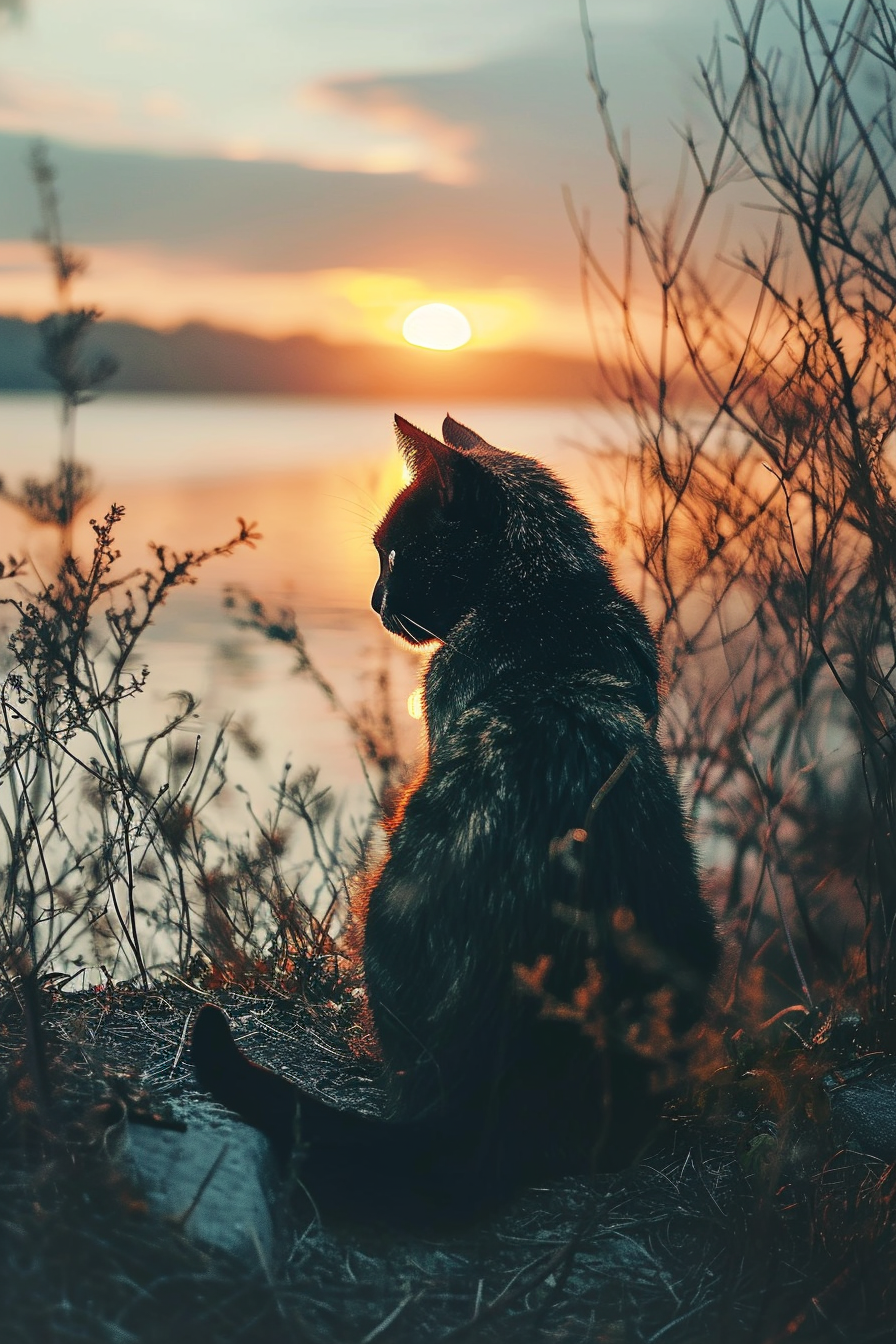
[(760, 505), (759, 510)]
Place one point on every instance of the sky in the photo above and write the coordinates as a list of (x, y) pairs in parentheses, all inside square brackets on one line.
[(326, 165)]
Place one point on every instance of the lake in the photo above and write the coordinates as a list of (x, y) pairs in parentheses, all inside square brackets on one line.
[(315, 475), (145, 438)]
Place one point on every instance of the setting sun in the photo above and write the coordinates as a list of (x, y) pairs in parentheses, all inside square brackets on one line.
[(437, 326)]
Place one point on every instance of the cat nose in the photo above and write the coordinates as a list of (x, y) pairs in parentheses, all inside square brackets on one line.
[(379, 593)]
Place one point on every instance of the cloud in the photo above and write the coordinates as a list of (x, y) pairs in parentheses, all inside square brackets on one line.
[(235, 74), (349, 124), (164, 103), (268, 217), (130, 41), (27, 103), (409, 137), (105, 118), (448, 181)]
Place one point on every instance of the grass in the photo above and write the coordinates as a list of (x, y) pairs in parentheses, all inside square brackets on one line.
[(733, 1229)]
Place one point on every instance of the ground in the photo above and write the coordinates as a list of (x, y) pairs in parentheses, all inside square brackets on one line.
[(705, 1239)]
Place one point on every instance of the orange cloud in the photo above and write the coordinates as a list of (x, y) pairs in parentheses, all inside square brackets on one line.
[(417, 141)]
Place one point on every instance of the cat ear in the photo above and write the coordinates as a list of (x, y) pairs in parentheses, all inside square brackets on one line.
[(460, 437), (425, 454)]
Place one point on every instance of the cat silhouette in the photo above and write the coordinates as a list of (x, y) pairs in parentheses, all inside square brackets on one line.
[(539, 892)]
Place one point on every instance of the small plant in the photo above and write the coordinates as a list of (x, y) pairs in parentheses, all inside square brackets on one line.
[(63, 334), (108, 854), (89, 823)]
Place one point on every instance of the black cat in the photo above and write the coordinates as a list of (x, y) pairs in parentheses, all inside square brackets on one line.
[(540, 694)]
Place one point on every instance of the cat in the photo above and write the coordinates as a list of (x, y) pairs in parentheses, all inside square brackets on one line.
[(542, 840)]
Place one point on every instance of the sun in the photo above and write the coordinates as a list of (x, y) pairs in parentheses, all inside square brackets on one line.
[(437, 326)]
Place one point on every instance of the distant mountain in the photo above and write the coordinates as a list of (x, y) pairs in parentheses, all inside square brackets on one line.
[(200, 358)]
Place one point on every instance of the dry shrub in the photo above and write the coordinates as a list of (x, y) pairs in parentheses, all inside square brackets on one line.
[(758, 503)]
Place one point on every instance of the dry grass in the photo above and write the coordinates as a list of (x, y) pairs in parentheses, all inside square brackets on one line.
[(734, 1228)]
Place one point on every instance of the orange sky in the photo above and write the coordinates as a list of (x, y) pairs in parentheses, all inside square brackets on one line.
[(344, 304), (287, 172)]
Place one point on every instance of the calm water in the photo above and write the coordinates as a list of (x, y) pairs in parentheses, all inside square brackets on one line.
[(315, 474), (153, 438)]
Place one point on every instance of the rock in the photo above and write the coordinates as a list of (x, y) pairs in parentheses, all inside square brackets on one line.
[(216, 1177)]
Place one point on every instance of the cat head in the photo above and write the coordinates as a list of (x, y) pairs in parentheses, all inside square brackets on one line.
[(470, 514)]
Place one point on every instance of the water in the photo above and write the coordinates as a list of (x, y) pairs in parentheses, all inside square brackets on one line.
[(164, 438), (316, 475)]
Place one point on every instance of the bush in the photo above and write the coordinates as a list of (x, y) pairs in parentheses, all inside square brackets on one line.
[(759, 501)]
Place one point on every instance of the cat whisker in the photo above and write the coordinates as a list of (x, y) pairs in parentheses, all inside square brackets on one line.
[(426, 631), (356, 532), (376, 505), (357, 521), (360, 515), (358, 508), (411, 637), (432, 634)]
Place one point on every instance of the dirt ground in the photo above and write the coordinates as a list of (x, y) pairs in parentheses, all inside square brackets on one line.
[(692, 1244)]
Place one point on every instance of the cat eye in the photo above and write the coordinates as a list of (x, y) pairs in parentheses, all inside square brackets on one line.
[(391, 561)]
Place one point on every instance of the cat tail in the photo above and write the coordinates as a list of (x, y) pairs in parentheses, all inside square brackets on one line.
[(263, 1099)]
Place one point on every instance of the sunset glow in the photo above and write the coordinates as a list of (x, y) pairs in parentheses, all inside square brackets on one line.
[(437, 326), (337, 181), (344, 305)]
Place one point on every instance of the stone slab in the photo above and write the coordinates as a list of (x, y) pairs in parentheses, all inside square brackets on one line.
[(217, 1178)]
